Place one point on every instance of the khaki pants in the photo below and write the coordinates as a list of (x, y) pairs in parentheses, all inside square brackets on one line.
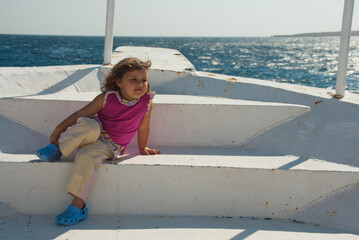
[(92, 152)]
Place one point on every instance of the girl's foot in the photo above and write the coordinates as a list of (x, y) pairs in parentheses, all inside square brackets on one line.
[(78, 202), (50, 153), (72, 215)]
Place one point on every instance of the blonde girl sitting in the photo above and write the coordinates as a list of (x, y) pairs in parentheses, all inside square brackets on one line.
[(101, 131)]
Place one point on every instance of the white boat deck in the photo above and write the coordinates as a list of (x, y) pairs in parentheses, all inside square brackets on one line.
[(106, 227), (223, 157), (15, 225), (210, 181), (161, 58)]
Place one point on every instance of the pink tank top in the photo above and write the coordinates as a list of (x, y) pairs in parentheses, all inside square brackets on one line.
[(120, 119)]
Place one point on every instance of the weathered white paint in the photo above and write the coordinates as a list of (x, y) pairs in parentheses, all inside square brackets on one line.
[(326, 132), (110, 15), (160, 227), (334, 211), (55, 79), (177, 120), (344, 48), (162, 58), (233, 183)]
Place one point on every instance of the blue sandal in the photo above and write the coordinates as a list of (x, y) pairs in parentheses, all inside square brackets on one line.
[(50, 153), (72, 215)]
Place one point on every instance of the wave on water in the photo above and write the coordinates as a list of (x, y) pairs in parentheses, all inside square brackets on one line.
[(310, 61)]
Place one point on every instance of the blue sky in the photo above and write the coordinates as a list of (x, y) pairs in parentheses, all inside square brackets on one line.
[(174, 17)]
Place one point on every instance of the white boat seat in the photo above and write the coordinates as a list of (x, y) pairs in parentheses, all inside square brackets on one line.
[(177, 120)]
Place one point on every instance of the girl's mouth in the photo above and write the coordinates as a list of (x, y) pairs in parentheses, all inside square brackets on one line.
[(138, 90)]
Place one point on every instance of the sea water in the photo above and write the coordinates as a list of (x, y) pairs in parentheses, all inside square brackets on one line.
[(309, 61)]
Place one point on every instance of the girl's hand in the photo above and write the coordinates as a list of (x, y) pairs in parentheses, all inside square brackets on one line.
[(54, 138), (149, 151)]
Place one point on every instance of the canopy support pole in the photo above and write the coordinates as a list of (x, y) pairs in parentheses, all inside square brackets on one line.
[(344, 48), (109, 32)]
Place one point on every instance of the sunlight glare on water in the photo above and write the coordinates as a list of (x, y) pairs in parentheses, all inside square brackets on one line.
[(309, 61)]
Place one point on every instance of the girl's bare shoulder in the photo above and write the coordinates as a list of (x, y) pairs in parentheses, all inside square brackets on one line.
[(100, 97)]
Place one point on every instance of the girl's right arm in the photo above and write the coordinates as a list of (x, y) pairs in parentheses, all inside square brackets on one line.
[(89, 110)]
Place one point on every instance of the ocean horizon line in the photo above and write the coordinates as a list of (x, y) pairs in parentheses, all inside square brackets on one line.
[(65, 35), (314, 34)]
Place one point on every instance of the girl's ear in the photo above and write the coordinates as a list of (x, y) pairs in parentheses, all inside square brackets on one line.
[(118, 82)]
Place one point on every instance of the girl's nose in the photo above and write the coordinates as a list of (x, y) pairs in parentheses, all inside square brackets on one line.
[(140, 83)]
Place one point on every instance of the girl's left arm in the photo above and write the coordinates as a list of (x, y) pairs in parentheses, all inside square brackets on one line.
[(143, 132)]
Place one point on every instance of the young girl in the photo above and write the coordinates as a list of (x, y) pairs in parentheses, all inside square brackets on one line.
[(102, 129)]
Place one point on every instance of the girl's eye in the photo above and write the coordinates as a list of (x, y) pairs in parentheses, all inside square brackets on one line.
[(133, 80), (144, 81)]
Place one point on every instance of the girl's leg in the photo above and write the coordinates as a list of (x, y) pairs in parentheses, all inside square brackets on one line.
[(78, 202), (85, 131), (88, 159)]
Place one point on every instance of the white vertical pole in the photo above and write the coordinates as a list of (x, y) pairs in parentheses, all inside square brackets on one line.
[(109, 32), (344, 48)]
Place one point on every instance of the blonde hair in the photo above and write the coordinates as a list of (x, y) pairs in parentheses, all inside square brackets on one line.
[(122, 67)]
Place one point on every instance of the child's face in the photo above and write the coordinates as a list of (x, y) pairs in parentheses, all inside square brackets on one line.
[(133, 84)]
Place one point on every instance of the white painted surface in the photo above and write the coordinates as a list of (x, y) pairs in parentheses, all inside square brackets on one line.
[(158, 228), (31, 81), (196, 182), (335, 211), (326, 132), (203, 189), (162, 58), (177, 120)]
